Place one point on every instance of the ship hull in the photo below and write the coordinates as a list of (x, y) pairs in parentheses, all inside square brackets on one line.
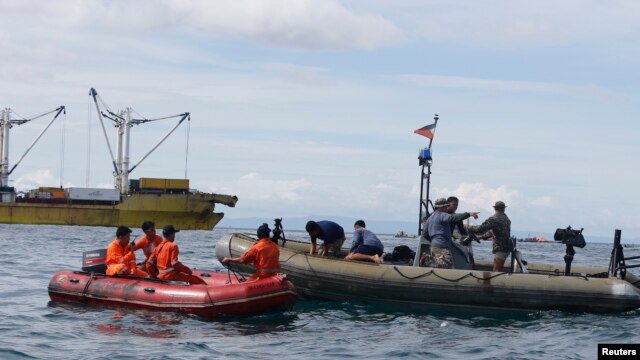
[(184, 211)]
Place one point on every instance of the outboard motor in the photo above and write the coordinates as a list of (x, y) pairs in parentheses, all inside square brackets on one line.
[(94, 261), (571, 238)]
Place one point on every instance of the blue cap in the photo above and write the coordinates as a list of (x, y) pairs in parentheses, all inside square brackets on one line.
[(263, 231), (169, 229)]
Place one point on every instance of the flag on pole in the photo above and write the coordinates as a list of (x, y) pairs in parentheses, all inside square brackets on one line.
[(427, 131)]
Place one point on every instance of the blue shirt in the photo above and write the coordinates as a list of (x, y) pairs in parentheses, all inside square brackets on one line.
[(329, 232), (363, 236), (439, 228)]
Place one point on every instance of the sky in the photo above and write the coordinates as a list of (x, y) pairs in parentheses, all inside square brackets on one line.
[(307, 108)]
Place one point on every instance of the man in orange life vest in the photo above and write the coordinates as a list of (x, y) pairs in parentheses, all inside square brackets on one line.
[(120, 258), (165, 259), (264, 254), (147, 243)]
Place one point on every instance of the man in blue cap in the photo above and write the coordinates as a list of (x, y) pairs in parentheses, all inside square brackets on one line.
[(164, 260)]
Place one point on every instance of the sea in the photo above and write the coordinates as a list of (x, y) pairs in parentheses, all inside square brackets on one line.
[(33, 327)]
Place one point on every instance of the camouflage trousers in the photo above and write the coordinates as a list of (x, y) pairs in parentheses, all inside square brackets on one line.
[(334, 248), (441, 258)]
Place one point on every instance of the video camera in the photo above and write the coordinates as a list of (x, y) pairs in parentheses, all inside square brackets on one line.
[(570, 237), (278, 231)]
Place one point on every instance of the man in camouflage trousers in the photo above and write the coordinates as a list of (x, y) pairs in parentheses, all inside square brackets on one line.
[(500, 225), (439, 229)]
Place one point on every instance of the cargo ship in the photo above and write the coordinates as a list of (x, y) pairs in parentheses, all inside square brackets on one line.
[(129, 203)]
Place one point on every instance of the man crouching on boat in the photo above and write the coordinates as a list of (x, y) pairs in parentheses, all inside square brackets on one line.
[(366, 245), (164, 260), (121, 260), (264, 254), (331, 234), (439, 229)]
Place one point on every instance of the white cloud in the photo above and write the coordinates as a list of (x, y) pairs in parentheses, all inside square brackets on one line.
[(383, 186), (517, 24), (254, 187), (259, 194), (479, 196), (299, 24), (35, 179), (544, 201), (298, 73), (506, 86)]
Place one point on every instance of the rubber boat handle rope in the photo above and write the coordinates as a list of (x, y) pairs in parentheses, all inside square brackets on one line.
[(470, 274), (240, 279), (289, 258), (86, 286), (229, 270)]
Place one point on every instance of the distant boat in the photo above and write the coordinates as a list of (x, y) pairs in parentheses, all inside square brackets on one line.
[(540, 239), (404, 235), (130, 203)]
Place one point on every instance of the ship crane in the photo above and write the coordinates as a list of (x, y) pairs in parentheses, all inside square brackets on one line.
[(6, 123), (123, 122)]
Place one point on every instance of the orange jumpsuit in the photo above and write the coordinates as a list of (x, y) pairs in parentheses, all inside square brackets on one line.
[(168, 265), (147, 245), (121, 261), (265, 256)]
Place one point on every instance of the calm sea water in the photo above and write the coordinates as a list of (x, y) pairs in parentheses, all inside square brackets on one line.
[(32, 327)]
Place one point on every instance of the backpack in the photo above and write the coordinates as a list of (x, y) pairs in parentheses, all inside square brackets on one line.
[(402, 253)]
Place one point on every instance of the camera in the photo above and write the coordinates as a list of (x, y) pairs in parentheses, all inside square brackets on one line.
[(278, 232), (570, 237)]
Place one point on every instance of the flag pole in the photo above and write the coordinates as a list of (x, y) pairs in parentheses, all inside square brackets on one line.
[(435, 123), (424, 160)]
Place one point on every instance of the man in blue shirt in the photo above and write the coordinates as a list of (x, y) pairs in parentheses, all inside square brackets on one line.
[(330, 233), (366, 245), (439, 229)]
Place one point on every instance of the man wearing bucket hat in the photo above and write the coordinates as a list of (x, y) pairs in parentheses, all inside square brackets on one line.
[(439, 229), (164, 259), (500, 225), (264, 254)]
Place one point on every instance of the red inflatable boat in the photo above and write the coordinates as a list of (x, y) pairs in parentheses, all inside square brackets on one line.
[(218, 297)]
